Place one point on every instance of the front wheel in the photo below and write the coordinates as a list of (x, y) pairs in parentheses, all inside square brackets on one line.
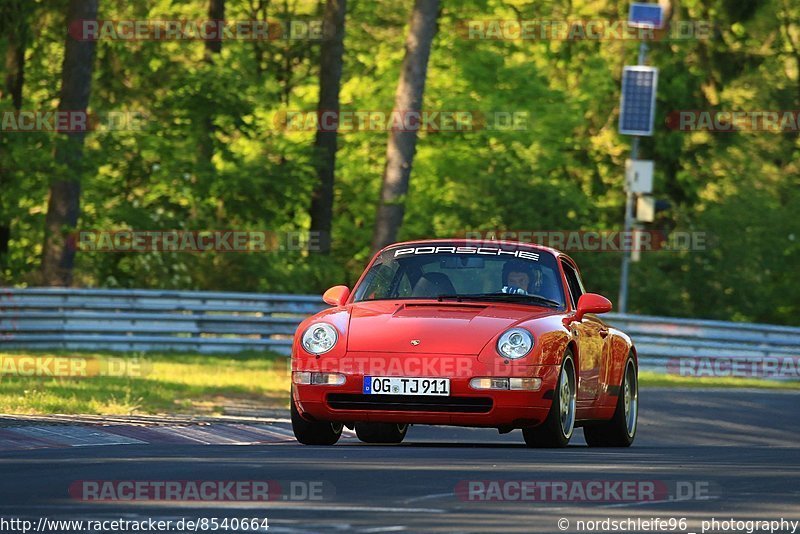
[(557, 429), (313, 432), (381, 432), (620, 431)]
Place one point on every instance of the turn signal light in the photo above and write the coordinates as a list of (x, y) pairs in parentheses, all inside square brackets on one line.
[(515, 384), (318, 379)]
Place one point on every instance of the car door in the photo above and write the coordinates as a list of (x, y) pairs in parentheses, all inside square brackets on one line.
[(590, 336)]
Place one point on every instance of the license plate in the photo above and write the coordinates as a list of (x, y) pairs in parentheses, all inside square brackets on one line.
[(393, 385)]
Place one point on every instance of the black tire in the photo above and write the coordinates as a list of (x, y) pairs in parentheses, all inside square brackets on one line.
[(557, 429), (620, 430), (312, 432), (381, 432)]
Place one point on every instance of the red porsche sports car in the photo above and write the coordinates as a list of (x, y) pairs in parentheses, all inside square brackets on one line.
[(455, 332)]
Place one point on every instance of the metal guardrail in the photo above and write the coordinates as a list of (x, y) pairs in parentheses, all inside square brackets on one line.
[(213, 322), (147, 320), (662, 341)]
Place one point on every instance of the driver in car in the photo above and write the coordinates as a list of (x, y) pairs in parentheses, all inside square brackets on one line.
[(522, 279)]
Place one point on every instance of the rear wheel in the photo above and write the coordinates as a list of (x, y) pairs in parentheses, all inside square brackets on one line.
[(557, 429), (381, 432), (620, 431), (314, 432)]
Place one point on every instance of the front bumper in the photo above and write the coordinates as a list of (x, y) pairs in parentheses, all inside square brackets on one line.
[(464, 406)]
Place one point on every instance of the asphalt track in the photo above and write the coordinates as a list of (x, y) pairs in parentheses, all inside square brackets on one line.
[(710, 453)]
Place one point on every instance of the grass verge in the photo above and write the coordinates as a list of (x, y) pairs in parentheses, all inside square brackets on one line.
[(149, 383), (650, 379), (156, 383)]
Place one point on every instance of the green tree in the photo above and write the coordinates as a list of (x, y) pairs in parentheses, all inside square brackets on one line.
[(63, 207), (402, 144)]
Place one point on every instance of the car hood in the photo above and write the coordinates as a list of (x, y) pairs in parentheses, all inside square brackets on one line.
[(440, 328)]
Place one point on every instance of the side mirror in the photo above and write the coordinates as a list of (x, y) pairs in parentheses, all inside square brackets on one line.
[(336, 296), (592, 303)]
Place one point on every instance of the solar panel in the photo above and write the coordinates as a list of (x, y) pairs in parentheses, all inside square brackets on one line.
[(638, 104), (646, 16)]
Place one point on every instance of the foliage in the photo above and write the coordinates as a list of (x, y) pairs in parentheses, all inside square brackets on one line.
[(562, 172)]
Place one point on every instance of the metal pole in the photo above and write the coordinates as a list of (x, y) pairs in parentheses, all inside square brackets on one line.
[(642, 53), (626, 254), (629, 198)]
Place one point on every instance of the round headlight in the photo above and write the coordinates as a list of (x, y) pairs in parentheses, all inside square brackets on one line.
[(515, 343), (319, 338)]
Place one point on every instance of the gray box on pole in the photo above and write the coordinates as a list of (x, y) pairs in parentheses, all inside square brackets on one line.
[(645, 209), (639, 176)]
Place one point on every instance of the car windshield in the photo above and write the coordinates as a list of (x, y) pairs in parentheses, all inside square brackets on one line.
[(458, 272)]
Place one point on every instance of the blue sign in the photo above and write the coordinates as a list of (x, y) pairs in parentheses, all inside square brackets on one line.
[(646, 16), (638, 104)]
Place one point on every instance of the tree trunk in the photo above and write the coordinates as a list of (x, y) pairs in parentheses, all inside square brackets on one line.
[(216, 11), (17, 32), (15, 65), (325, 143), (63, 206), (402, 144)]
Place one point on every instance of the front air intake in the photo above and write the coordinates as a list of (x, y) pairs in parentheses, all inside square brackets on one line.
[(409, 403)]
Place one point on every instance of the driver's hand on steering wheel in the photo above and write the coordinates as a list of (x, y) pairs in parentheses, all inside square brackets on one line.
[(511, 290)]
